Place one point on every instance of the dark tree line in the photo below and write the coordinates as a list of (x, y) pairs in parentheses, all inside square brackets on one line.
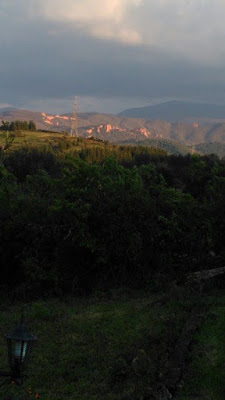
[(72, 226), (17, 126), (127, 155)]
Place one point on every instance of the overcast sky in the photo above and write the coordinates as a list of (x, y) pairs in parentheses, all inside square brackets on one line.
[(112, 54)]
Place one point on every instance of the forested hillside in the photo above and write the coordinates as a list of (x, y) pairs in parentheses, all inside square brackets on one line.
[(96, 244), (103, 217)]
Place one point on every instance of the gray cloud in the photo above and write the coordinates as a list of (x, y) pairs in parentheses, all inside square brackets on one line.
[(189, 27), (55, 56)]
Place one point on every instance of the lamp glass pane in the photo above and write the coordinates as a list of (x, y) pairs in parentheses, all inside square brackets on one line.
[(20, 350)]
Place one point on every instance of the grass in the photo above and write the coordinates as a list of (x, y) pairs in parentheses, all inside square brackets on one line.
[(94, 350), (57, 141), (206, 372), (27, 138), (113, 349)]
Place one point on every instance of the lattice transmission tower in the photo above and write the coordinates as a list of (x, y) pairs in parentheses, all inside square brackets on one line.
[(74, 127)]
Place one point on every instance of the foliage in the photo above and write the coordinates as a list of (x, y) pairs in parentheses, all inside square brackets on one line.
[(69, 224), (18, 125), (170, 146), (77, 220)]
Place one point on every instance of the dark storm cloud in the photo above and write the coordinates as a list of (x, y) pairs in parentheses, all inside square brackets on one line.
[(43, 58)]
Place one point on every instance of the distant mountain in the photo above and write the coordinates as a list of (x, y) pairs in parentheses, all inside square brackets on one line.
[(174, 111), (63, 122), (176, 137), (211, 148), (12, 114), (6, 109)]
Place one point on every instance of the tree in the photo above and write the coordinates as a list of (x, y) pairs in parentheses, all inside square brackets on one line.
[(5, 126), (32, 126)]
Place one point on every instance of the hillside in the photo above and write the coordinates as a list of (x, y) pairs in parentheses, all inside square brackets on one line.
[(211, 148), (97, 242), (119, 129), (90, 149), (170, 146), (96, 252), (175, 111), (60, 141)]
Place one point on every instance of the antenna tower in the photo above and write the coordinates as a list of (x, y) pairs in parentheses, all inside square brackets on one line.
[(74, 127)]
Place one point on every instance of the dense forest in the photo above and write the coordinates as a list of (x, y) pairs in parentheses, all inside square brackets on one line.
[(99, 219)]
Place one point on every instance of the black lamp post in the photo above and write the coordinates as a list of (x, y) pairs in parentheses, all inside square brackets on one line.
[(20, 343)]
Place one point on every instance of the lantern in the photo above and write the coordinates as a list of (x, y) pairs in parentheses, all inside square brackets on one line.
[(20, 343)]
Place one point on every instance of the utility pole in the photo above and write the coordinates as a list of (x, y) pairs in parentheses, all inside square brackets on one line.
[(74, 127)]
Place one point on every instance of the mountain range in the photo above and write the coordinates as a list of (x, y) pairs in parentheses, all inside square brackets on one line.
[(126, 129), (175, 111)]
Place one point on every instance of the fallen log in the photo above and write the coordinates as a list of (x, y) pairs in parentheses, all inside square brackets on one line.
[(206, 274)]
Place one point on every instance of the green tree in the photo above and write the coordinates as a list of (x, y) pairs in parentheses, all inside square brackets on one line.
[(32, 126), (5, 126)]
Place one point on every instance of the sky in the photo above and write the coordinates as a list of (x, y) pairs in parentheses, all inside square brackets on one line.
[(112, 54)]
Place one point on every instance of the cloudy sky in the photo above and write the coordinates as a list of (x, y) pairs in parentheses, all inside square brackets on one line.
[(112, 54)]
